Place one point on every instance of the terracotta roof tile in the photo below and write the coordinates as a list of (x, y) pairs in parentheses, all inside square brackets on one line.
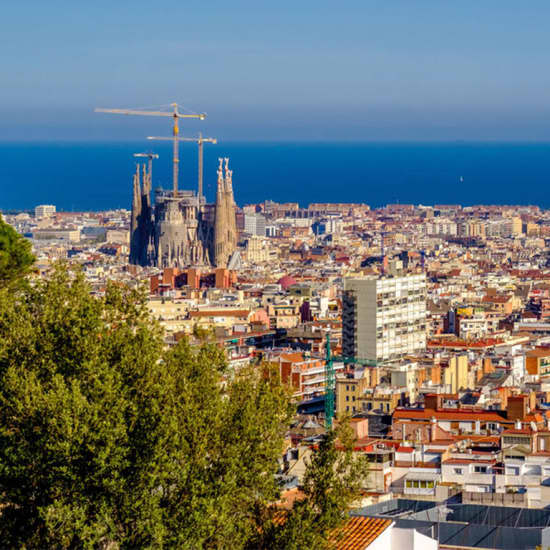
[(449, 414), (358, 533), (220, 313)]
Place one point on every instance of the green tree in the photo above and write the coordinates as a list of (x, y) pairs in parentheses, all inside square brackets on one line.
[(16, 259), (334, 479), (109, 440)]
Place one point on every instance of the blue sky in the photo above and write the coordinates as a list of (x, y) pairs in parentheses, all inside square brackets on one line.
[(301, 70)]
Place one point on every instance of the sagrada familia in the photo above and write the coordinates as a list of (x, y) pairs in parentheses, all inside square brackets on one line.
[(181, 229)]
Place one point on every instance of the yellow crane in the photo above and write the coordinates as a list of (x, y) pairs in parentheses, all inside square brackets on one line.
[(200, 140), (175, 114)]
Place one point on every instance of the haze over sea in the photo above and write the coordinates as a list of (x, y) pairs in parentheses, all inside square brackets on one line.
[(98, 176)]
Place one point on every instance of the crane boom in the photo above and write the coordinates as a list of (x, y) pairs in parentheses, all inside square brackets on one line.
[(195, 140), (175, 114), (150, 156), (200, 116)]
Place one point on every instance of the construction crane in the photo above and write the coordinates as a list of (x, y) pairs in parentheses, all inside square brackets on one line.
[(330, 385), (150, 157), (200, 140), (175, 114), (330, 378)]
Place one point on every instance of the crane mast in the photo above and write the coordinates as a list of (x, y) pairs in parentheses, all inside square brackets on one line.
[(175, 114), (200, 141), (330, 383), (175, 155), (330, 378)]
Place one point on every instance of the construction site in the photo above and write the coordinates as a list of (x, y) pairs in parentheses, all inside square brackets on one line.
[(180, 229)]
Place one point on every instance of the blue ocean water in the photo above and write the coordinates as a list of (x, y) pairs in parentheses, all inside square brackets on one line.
[(98, 176)]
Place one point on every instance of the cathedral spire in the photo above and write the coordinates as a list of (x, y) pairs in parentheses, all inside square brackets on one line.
[(135, 240)]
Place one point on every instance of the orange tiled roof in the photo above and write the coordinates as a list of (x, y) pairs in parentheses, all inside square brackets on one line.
[(220, 313), (457, 343), (450, 414), (358, 533), (538, 352)]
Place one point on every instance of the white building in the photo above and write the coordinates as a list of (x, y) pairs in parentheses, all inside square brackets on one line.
[(384, 318), (44, 211), (254, 224), (441, 226)]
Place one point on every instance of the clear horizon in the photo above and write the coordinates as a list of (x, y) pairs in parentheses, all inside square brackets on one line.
[(366, 71)]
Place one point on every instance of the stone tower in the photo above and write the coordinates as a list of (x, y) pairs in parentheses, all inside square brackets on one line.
[(225, 225), (141, 225)]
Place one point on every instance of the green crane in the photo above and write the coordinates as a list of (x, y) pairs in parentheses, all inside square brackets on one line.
[(330, 378), (330, 384)]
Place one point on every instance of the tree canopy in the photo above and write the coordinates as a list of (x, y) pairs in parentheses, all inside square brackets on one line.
[(16, 258), (110, 440)]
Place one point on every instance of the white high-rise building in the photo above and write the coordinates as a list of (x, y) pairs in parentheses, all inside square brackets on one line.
[(44, 211), (384, 318), (254, 224)]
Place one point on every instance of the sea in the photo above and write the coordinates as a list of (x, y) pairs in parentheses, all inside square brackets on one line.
[(98, 176)]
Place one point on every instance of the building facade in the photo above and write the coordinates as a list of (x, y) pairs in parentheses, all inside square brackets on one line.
[(181, 230), (254, 224), (44, 211), (384, 318)]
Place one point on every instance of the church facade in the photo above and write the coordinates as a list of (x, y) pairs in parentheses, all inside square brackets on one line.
[(182, 230)]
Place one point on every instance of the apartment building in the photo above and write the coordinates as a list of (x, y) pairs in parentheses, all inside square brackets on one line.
[(254, 224), (384, 318), (44, 211), (306, 376)]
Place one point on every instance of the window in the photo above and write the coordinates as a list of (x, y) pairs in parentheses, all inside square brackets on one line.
[(347, 397), (353, 398), (480, 469), (457, 471), (353, 388), (347, 387), (347, 409)]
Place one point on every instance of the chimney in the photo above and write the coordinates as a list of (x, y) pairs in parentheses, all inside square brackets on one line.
[(433, 424), (517, 407), (532, 402), (504, 392), (517, 424), (488, 366), (433, 402), (479, 374)]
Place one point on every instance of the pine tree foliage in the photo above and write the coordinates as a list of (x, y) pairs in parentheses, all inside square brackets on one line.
[(16, 259)]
